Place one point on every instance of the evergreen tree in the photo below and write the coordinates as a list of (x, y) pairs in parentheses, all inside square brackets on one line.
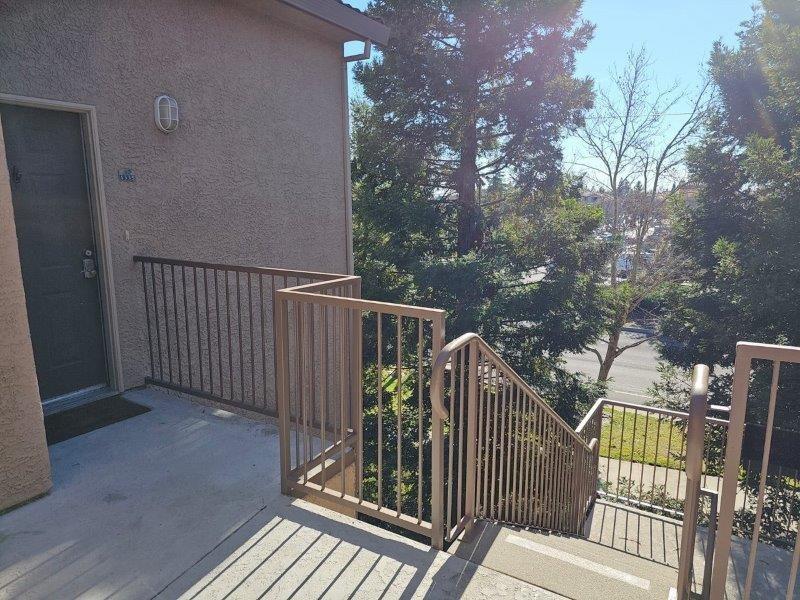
[(459, 200), (743, 230)]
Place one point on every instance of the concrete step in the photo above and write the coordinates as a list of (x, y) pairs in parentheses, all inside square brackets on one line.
[(627, 555)]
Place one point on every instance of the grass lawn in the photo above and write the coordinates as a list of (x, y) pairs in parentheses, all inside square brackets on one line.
[(617, 439)]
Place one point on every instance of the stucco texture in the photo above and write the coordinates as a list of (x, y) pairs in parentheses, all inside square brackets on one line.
[(24, 462), (255, 173)]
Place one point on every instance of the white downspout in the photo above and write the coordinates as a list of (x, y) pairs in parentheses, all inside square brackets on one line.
[(348, 187)]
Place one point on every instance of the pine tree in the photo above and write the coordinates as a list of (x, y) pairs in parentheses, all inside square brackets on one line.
[(459, 200)]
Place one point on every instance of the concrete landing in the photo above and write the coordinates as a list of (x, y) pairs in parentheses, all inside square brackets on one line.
[(627, 555), (185, 502)]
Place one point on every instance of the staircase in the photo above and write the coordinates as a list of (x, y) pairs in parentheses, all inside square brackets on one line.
[(531, 469)]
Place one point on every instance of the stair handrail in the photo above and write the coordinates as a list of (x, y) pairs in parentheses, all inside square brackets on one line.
[(443, 359), (444, 527)]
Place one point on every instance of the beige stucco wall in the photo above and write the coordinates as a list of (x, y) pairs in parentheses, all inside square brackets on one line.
[(255, 172), (24, 462)]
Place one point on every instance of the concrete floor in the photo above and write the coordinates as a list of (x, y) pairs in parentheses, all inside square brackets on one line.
[(184, 501)]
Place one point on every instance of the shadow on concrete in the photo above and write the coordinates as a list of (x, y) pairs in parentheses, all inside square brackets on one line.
[(635, 532)]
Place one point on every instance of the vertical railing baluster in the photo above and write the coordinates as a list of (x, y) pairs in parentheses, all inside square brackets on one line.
[(158, 324), (655, 458), (644, 454), (166, 320), (619, 453), (323, 409), (472, 436), (252, 347), (536, 499), (420, 419), (460, 480), (240, 370), (669, 450), (281, 350), (495, 410), (197, 327), (343, 387), (399, 373), (147, 317), (437, 508), (298, 370), (359, 384), (263, 339), (177, 336), (681, 464), (450, 439), (517, 447), (307, 383), (379, 327), (186, 324), (208, 332), (501, 389), (632, 456), (523, 478), (228, 330)]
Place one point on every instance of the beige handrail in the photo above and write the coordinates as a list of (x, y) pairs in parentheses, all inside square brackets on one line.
[(520, 462), (443, 359)]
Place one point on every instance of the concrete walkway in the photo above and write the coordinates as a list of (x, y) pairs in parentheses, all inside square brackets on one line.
[(184, 502)]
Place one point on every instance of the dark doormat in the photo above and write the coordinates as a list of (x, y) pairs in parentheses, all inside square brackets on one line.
[(94, 415)]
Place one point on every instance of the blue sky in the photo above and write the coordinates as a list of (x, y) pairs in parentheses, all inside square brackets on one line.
[(678, 35)]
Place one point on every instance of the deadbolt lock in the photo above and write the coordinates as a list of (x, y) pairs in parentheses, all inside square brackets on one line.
[(89, 265)]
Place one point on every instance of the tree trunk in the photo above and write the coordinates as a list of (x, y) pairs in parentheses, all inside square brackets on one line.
[(614, 227), (469, 212), (611, 354), (612, 351)]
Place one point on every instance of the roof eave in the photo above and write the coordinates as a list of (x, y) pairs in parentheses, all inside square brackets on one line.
[(345, 17)]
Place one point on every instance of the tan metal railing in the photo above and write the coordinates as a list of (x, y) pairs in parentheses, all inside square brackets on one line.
[(643, 453), (353, 383), (508, 456), (769, 479)]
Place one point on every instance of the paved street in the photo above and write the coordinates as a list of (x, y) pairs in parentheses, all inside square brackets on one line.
[(633, 371)]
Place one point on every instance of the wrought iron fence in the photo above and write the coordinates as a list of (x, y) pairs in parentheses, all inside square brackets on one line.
[(354, 402), (210, 328)]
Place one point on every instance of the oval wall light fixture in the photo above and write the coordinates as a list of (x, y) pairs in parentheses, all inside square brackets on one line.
[(166, 113)]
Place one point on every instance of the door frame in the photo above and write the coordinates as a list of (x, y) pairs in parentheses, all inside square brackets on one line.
[(97, 201)]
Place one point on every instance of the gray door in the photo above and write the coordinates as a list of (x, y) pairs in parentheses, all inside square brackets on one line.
[(52, 211)]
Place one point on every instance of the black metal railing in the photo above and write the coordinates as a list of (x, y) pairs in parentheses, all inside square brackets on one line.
[(210, 328)]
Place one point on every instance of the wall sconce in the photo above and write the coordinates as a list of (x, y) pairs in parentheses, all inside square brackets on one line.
[(166, 113)]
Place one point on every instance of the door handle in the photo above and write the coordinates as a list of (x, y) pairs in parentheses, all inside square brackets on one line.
[(89, 266)]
